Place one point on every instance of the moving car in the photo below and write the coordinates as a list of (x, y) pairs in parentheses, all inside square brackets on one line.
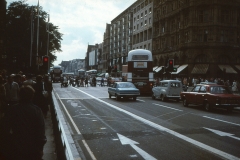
[(167, 89), (123, 89), (211, 96)]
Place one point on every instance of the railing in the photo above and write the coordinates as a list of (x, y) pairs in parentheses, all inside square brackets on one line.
[(65, 150)]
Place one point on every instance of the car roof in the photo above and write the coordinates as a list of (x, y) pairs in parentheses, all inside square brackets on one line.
[(172, 80)]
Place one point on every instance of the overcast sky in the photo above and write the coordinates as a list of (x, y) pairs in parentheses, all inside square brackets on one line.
[(81, 22)]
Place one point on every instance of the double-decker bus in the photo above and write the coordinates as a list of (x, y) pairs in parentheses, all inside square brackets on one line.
[(140, 70), (81, 73)]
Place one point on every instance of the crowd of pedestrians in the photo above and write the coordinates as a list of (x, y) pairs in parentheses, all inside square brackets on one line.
[(23, 108)]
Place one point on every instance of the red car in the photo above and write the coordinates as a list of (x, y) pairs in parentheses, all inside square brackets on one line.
[(211, 96)]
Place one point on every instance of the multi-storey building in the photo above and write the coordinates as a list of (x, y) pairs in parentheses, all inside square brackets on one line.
[(106, 49), (142, 24), (120, 38), (202, 36), (3, 5)]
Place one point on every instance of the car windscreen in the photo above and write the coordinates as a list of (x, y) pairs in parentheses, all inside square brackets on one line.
[(220, 90), (126, 85), (175, 85)]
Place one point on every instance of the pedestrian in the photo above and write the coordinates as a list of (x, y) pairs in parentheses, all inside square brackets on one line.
[(3, 104), (22, 129), (39, 99), (48, 87), (102, 82), (86, 82), (234, 86), (29, 80), (12, 91)]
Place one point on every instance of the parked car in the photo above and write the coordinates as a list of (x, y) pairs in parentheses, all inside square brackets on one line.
[(123, 89), (210, 96), (167, 89)]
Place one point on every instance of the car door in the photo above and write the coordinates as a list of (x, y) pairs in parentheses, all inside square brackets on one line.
[(112, 89), (200, 96), (191, 98), (156, 90)]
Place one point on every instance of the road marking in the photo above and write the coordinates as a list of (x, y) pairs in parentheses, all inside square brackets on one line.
[(77, 130), (140, 100), (161, 128), (167, 107), (127, 141), (220, 133), (221, 120)]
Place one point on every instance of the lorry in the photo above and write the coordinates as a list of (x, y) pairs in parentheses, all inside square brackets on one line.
[(56, 74)]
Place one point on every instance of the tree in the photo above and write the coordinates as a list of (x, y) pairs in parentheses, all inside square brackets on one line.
[(18, 35)]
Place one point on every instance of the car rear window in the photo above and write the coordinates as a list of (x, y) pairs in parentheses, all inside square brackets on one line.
[(219, 90), (126, 85), (175, 84)]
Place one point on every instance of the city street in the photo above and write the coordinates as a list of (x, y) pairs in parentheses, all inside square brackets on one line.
[(104, 129)]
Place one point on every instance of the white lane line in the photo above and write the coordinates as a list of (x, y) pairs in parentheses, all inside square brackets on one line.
[(161, 128), (167, 107), (89, 150), (221, 120), (140, 100), (76, 128)]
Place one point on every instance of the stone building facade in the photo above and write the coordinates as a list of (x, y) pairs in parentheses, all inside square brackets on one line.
[(202, 36)]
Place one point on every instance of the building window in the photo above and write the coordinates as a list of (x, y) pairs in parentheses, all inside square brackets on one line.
[(223, 59), (141, 24), (150, 20), (145, 12), (202, 58), (225, 16), (145, 22), (141, 15), (150, 10), (138, 17)]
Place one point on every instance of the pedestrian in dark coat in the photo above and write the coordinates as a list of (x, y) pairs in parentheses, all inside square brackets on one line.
[(39, 99), (22, 129)]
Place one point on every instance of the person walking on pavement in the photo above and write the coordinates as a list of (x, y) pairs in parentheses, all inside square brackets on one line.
[(86, 82), (12, 91), (3, 104), (39, 99), (23, 129), (29, 80), (102, 82), (48, 87)]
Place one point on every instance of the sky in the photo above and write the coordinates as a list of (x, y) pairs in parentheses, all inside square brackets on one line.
[(81, 22)]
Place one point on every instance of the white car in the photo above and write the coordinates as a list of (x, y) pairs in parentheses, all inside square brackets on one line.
[(167, 89)]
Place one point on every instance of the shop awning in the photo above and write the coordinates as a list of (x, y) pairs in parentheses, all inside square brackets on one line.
[(228, 69), (238, 67), (200, 69), (180, 69), (154, 68), (158, 69)]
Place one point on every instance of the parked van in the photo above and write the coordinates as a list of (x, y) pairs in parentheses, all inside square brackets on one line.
[(167, 89)]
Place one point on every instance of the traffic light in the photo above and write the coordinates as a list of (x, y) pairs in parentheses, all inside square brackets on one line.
[(170, 64), (45, 61)]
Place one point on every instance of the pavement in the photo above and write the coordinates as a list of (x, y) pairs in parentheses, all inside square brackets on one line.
[(50, 147)]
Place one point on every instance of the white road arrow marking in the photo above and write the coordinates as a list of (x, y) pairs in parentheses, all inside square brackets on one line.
[(124, 140), (220, 133)]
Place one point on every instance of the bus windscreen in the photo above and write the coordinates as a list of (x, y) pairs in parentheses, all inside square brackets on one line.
[(139, 57)]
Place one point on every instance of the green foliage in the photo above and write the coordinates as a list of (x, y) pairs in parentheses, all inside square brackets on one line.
[(18, 36)]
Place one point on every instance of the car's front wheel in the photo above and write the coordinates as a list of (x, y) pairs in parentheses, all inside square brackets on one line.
[(134, 98), (185, 103), (153, 96), (118, 98), (207, 107), (163, 98)]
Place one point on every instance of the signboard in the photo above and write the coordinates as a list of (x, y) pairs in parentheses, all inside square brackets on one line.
[(140, 65)]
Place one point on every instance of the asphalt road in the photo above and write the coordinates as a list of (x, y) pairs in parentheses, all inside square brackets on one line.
[(106, 129)]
